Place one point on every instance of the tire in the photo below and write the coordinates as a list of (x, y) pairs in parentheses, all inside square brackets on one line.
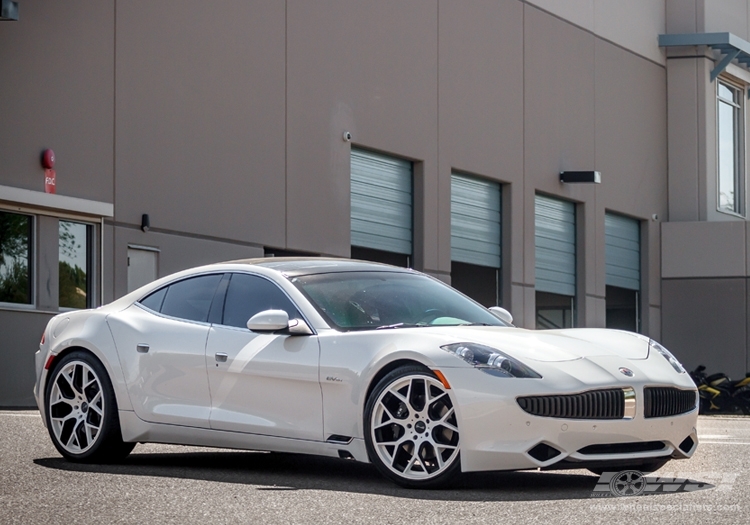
[(411, 430), (81, 410), (645, 468)]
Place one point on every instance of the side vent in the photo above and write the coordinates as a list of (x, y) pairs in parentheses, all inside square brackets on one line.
[(340, 440), (543, 452), (687, 444)]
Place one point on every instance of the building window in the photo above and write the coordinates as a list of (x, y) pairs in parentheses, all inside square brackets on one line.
[(75, 264), (730, 130), (15, 258)]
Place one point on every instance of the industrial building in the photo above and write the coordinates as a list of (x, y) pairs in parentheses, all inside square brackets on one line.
[(581, 163)]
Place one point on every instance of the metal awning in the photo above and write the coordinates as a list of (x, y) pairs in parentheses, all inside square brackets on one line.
[(730, 46)]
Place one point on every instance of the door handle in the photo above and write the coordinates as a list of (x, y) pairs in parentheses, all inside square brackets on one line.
[(221, 357), (142, 348)]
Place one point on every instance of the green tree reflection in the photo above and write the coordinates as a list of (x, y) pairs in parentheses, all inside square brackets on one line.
[(15, 235)]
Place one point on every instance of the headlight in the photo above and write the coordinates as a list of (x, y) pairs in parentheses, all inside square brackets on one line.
[(666, 354), (489, 360)]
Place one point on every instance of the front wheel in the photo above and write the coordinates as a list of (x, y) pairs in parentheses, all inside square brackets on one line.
[(411, 430), (82, 411)]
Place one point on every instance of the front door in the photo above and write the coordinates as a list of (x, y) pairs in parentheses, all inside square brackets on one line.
[(262, 383)]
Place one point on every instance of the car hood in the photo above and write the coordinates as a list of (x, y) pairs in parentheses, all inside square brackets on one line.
[(549, 345)]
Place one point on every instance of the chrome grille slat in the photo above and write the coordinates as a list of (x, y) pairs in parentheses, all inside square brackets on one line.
[(595, 404), (667, 401)]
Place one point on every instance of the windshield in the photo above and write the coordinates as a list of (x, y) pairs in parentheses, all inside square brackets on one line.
[(373, 300)]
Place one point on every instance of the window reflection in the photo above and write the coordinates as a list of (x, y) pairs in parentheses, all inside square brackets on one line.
[(74, 265), (15, 254)]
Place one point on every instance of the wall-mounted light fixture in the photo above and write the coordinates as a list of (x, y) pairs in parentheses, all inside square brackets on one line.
[(578, 177), (145, 222), (8, 11)]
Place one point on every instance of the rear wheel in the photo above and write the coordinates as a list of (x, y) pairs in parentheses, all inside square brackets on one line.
[(411, 430), (82, 411)]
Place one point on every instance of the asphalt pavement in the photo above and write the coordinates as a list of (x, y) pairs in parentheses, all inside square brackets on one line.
[(177, 484)]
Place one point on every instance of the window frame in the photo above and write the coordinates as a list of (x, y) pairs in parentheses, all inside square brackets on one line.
[(740, 156)]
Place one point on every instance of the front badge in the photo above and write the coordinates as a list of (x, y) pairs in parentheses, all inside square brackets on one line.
[(626, 371)]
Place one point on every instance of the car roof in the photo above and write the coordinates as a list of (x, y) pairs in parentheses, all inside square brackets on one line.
[(296, 266)]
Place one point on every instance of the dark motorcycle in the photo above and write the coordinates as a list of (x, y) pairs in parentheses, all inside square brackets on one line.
[(719, 394)]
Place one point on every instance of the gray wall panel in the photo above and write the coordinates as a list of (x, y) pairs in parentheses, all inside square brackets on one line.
[(369, 68), (705, 322), (57, 91), (481, 112), (176, 252), (21, 332), (200, 117), (703, 249)]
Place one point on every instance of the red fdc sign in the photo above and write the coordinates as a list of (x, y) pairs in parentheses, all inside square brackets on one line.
[(50, 181)]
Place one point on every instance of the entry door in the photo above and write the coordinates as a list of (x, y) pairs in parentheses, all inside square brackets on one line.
[(262, 383), (142, 267)]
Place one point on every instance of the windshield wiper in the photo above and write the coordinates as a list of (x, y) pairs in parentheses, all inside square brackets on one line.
[(396, 325), (477, 324)]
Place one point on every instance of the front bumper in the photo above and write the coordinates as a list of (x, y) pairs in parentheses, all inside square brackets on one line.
[(497, 434)]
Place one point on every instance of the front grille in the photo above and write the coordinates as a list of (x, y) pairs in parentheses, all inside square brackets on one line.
[(667, 401), (596, 404), (623, 448)]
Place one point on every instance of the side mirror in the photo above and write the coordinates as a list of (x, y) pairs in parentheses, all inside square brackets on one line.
[(269, 321), (275, 320), (502, 314)]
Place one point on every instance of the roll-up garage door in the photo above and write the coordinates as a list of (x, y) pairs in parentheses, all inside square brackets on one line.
[(555, 241), (622, 251), (381, 193), (475, 221)]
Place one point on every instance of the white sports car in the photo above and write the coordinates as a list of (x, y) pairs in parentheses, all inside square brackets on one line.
[(361, 361)]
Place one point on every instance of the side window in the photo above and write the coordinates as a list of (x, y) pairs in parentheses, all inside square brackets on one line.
[(155, 299), (247, 295), (190, 299)]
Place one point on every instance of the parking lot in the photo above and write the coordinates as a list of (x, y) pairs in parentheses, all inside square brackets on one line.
[(176, 484)]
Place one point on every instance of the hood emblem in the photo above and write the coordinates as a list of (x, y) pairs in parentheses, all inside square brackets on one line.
[(626, 371)]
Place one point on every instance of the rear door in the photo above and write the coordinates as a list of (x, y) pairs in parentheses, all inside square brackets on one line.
[(161, 342)]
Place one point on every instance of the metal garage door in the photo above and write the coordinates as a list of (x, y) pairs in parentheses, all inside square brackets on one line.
[(555, 240), (475, 221), (623, 251), (381, 214)]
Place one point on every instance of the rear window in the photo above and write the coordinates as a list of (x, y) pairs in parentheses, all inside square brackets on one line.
[(189, 299)]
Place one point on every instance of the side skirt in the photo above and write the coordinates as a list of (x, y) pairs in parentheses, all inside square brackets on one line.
[(135, 429)]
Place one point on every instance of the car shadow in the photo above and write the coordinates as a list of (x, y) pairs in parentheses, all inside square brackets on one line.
[(277, 471)]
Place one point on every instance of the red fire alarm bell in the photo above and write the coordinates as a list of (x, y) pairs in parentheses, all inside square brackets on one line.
[(48, 159)]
